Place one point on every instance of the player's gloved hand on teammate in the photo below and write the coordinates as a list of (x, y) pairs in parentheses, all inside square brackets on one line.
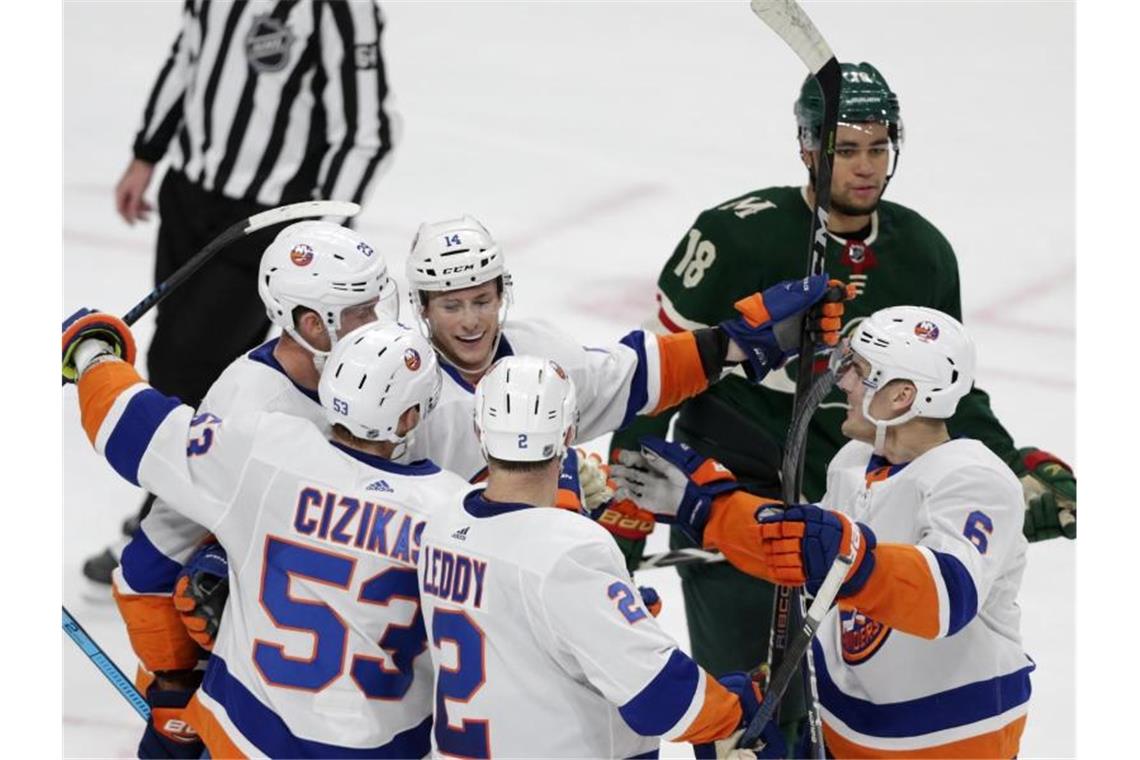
[(799, 545), (569, 493), (673, 481), (593, 478), (651, 598), (768, 330), (1050, 494), (200, 593), (168, 734), (772, 744), (107, 332)]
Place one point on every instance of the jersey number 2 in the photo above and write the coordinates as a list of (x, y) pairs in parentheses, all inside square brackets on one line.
[(284, 561), (459, 684)]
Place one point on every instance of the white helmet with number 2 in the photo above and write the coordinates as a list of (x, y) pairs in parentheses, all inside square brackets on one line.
[(922, 345), (324, 267), (375, 374), (526, 410)]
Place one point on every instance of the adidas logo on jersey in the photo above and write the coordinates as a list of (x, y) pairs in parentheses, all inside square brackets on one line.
[(379, 485), (461, 534)]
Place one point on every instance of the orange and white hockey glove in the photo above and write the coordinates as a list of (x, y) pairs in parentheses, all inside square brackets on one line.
[(798, 546)]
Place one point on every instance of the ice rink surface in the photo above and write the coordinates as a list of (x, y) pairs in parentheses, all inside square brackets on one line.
[(587, 137)]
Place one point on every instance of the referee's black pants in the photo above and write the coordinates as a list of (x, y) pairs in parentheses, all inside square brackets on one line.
[(216, 315)]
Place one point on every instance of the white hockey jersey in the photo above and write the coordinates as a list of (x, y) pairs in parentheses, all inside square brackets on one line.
[(956, 682), (642, 374), (321, 651), (254, 382), (542, 645)]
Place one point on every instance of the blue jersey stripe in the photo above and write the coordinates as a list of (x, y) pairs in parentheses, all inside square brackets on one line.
[(145, 568), (638, 389), (265, 729), (664, 701), (129, 440), (959, 706), (960, 590)]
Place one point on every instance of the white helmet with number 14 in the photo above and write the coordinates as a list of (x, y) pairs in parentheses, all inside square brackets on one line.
[(526, 410)]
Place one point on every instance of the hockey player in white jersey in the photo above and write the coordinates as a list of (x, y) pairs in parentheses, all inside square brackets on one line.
[(318, 282), (540, 643), (321, 651), (460, 292), (922, 656)]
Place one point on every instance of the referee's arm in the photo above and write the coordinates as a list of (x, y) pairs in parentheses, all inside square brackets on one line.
[(359, 129)]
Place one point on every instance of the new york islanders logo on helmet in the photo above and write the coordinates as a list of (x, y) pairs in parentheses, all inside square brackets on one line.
[(301, 255), (926, 331), (558, 370), (412, 359)]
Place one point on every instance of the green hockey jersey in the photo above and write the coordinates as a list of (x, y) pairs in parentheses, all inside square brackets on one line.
[(761, 238)]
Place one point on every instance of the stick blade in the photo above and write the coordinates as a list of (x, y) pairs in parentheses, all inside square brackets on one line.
[(303, 210), (787, 19)]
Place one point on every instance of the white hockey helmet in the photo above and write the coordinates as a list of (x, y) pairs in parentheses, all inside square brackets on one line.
[(525, 410), (924, 346), (324, 267), (375, 374)]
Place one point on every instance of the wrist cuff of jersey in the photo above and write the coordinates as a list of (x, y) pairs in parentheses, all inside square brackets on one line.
[(148, 152), (864, 564), (712, 345)]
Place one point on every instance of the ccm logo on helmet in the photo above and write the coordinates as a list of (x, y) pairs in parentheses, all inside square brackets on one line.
[(301, 255), (926, 331), (457, 270), (412, 359)]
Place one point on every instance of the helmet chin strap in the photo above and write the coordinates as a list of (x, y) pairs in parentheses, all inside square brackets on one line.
[(319, 357), (882, 425)]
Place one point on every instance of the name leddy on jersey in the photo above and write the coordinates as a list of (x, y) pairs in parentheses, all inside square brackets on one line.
[(453, 576)]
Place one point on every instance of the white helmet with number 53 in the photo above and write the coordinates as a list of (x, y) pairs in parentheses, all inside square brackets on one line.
[(375, 374)]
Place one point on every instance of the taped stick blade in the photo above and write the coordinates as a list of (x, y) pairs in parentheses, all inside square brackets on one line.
[(787, 19)]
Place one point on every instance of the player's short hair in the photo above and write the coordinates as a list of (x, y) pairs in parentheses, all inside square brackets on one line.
[(520, 467)]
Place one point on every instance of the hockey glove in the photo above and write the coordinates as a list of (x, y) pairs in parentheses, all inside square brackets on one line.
[(87, 324), (768, 330), (651, 599), (167, 734), (1050, 494), (569, 493), (201, 591), (624, 519), (593, 477), (674, 482), (772, 744), (798, 546)]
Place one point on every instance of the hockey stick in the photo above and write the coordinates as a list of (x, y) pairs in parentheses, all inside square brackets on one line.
[(790, 22), (105, 664), (234, 232), (797, 438), (779, 681)]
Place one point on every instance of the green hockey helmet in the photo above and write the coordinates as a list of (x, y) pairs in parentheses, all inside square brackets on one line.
[(864, 96)]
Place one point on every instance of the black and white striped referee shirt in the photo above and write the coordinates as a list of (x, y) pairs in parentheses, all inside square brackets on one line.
[(272, 102)]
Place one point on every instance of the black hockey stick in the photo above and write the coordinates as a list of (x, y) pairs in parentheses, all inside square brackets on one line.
[(236, 231), (797, 438), (789, 21)]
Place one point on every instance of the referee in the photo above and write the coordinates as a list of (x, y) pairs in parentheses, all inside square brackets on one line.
[(258, 104)]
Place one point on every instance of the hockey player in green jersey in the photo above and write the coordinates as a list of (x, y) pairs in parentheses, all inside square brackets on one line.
[(893, 256)]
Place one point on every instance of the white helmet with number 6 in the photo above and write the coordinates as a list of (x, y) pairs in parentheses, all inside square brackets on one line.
[(324, 267), (375, 374), (922, 345), (526, 410)]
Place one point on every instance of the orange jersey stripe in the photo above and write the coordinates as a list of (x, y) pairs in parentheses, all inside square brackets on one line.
[(682, 375), (156, 632), (901, 592), (1003, 743), (733, 529), (719, 716), (99, 387), (217, 741)]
